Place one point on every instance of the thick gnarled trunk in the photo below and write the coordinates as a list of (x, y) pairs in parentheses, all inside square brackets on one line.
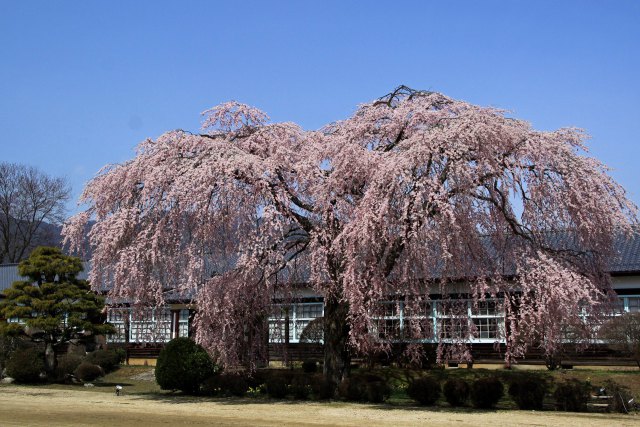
[(337, 359)]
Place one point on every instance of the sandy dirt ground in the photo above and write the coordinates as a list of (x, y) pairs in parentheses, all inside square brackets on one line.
[(20, 406)]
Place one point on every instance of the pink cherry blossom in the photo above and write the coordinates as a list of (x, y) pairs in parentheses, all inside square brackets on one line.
[(415, 194)]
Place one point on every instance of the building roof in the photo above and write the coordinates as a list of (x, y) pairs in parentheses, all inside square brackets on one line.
[(627, 258), (9, 274), (626, 261)]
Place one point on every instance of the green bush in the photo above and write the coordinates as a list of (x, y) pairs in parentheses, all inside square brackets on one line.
[(486, 392), (456, 391), (361, 388), (67, 365), (277, 387), (377, 391), (108, 360), (424, 390), (322, 388), (226, 384), (301, 387), (25, 365), (183, 365), (572, 395), (88, 372), (353, 389), (121, 353), (528, 391)]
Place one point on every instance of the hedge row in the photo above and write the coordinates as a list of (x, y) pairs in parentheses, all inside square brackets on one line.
[(26, 365)]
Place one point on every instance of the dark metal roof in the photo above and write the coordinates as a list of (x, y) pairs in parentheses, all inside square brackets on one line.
[(8, 275), (627, 258), (625, 261)]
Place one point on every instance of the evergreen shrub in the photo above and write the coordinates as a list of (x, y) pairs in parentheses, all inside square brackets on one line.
[(424, 390), (184, 365), (88, 372), (277, 386), (364, 388), (301, 387), (456, 391), (227, 384), (108, 360), (322, 388), (67, 364), (528, 391), (25, 365), (486, 392), (572, 395)]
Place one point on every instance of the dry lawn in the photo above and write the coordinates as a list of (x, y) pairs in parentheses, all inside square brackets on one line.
[(34, 406)]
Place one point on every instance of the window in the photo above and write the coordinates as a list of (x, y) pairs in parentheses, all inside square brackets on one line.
[(633, 304), (488, 319), (454, 327), (486, 328), (417, 320), (485, 308), (618, 306), (300, 315), (118, 317), (183, 323), (388, 329), (151, 325)]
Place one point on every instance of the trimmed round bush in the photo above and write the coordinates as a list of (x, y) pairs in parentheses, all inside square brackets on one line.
[(183, 365), (364, 388), (528, 392), (424, 390), (572, 395), (108, 360), (67, 365), (486, 392), (456, 391), (25, 365), (88, 372)]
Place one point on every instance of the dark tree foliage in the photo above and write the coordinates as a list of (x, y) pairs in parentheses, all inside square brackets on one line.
[(53, 306)]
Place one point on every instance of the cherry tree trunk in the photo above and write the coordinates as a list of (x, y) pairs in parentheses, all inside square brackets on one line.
[(337, 359)]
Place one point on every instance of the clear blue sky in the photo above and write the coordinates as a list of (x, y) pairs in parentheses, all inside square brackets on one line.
[(81, 83)]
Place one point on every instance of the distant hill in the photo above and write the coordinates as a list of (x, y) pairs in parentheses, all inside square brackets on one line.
[(47, 235)]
